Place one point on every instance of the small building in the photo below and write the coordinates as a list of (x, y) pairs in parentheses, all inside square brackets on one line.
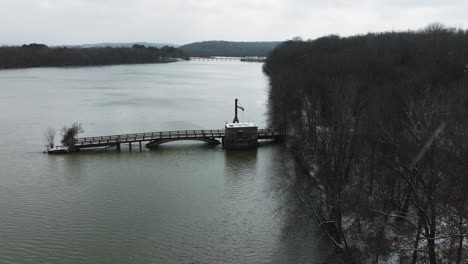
[(240, 135)]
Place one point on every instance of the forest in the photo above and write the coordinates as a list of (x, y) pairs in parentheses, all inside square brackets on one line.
[(229, 48), (40, 55), (378, 130)]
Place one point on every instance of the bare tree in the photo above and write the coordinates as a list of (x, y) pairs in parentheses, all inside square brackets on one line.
[(49, 136), (69, 134)]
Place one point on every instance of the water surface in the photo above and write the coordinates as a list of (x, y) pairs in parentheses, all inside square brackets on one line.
[(181, 203)]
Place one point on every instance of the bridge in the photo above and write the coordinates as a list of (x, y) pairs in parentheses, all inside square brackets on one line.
[(244, 59), (153, 139)]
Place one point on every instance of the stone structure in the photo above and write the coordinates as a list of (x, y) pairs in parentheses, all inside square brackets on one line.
[(240, 135)]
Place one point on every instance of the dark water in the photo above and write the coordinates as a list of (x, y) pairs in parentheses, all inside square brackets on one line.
[(180, 203)]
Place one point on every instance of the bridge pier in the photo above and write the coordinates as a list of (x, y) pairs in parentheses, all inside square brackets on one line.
[(118, 146), (140, 145), (130, 146)]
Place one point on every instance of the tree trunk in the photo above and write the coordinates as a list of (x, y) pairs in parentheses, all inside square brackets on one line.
[(460, 242), (431, 249), (416, 244)]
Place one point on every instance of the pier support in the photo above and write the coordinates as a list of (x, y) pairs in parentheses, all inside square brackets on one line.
[(140, 145), (118, 146), (130, 146)]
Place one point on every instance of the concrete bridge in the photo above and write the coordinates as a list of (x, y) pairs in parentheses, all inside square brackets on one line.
[(244, 59), (154, 139)]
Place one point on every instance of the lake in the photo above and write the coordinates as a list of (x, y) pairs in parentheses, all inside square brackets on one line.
[(179, 203)]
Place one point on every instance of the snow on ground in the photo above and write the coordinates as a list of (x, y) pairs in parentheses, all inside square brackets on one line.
[(230, 125)]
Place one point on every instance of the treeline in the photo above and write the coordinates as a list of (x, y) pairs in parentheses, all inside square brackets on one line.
[(119, 45), (40, 55), (379, 128), (229, 48)]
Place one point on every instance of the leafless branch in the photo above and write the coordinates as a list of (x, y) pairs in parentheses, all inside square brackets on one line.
[(49, 136), (410, 249), (402, 217)]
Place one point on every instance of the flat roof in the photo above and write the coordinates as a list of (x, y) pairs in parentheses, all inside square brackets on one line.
[(232, 125)]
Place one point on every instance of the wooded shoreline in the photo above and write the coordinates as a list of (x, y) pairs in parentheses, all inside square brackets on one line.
[(39, 55), (379, 124)]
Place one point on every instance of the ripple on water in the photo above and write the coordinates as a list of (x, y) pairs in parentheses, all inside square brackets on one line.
[(180, 203)]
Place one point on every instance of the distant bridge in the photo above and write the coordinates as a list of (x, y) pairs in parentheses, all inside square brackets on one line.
[(245, 59), (153, 139)]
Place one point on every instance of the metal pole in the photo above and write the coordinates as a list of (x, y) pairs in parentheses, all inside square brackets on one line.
[(236, 119)]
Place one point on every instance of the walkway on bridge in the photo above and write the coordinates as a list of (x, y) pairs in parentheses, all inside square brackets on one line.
[(157, 138)]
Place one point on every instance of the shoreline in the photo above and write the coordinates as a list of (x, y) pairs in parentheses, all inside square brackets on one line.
[(90, 65)]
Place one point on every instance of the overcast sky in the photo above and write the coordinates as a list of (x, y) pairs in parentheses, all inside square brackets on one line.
[(56, 22)]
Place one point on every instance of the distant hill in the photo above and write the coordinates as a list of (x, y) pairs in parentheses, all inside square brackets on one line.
[(119, 45), (229, 48)]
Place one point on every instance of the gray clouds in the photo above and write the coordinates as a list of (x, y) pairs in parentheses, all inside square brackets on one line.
[(182, 21)]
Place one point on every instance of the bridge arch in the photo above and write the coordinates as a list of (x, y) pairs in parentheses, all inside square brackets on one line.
[(157, 142)]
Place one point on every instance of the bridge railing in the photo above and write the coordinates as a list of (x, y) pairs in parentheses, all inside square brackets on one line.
[(149, 136), (146, 136)]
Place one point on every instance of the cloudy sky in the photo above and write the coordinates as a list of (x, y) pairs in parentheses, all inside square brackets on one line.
[(56, 22)]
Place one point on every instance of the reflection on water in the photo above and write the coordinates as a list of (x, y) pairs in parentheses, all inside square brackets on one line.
[(183, 202), (239, 163)]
